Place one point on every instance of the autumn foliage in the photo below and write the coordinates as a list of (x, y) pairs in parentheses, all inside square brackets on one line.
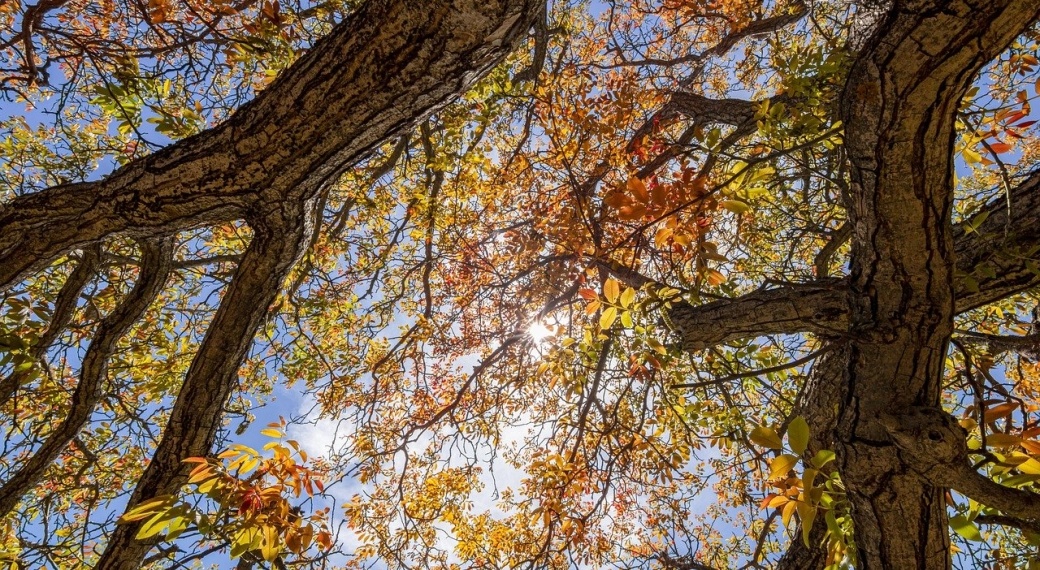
[(603, 308)]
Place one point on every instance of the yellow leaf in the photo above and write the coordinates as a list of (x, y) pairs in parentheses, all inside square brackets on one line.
[(736, 206), (146, 509), (611, 290), (271, 432), (807, 513), (269, 548), (627, 297), (607, 317), (781, 466), (1002, 440), (766, 437), (1030, 466), (155, 525), (788, 512), (798, 435)]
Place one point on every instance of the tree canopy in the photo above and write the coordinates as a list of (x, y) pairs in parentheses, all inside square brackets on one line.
[(688, 284)]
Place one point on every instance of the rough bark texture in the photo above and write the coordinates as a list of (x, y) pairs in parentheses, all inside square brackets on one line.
[(156, 262), (388, 65), (279, 240), (1001, 243), (899, 106), (870, 397)]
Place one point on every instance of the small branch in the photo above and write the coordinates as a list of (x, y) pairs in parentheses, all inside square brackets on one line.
[(762, 371)]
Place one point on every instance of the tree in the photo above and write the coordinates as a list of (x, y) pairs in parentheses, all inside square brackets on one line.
[(393, 217)]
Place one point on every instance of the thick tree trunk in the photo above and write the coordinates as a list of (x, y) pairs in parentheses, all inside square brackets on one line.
[(899, 108)]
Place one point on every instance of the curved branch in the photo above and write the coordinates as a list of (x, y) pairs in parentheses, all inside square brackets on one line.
[(64, 307), (938, 447), (280, 239), (1007, 246), (156, 263), (386, 66)]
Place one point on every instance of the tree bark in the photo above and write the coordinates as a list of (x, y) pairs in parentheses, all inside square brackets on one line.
[(376, 74), (280, 238), (156, 263), (899, 107), (1002, 243)]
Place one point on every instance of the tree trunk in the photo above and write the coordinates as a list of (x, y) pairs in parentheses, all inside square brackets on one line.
[(899, 107)]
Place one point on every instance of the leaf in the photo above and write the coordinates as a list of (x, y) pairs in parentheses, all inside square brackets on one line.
[(738, 207), (715, 278), (822, 457), (1002, 440), (999, 147), (807, 513), (270, 547), (271, 432), (155, 525), (627, 297), (607, 318), (781, 466), (788, 513), (1030, 466), (766, 437), (611, 290), (638, 189), (146, 509), (798, 435), (999, 411), (967, 529)]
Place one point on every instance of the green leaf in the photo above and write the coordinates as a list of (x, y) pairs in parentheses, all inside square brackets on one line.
[(822, 457), (798, 435), (967, 529)]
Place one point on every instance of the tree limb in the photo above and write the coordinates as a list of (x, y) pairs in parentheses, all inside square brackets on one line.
[(386, 66), (156, 264), (280, 238)]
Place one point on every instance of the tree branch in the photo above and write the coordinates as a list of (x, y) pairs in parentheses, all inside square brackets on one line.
[(1004, 245), (156, 263), (280, 238), (64, 308), (386, 66)]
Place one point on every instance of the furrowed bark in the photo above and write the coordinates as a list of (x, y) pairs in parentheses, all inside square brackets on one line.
[(936, 447), (156, 263), (1001, 244), (377, 73), (280, 238), (818, 403), (64, 307), (899, 106)]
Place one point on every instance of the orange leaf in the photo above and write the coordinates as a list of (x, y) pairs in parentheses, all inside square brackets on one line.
[(999, 411), (999, 147), (638, 189)]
